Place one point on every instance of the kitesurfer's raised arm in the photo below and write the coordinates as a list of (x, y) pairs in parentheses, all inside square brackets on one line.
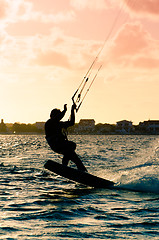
[(72, 118), (65, 109), (62, 114)]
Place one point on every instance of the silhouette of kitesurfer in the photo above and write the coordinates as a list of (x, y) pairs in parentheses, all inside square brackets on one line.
[(56, 137)]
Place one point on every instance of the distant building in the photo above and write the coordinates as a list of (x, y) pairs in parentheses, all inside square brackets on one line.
[(150, 126), (104, 128), (86, 124), (3, 127), (40, 125), (124, 126)]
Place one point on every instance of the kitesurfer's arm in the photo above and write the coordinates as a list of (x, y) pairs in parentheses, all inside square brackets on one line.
[(64, 111), (72, 119), (65, 108)]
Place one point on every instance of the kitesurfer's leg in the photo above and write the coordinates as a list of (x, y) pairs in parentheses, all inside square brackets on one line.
[(69, 154), (65, 160), (78, 162)]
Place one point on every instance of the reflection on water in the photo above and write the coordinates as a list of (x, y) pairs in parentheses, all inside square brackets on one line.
[(37, 204)]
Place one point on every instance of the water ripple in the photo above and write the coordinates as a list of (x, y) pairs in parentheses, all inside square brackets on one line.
[(37, 204)]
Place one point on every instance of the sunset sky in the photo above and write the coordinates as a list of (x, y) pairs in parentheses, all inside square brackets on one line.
[(47, 46)]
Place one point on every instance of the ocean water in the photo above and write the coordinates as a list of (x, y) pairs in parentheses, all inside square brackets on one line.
[(37, 204)]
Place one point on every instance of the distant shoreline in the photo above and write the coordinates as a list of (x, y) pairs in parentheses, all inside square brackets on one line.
[(97, 134), (86, 127)]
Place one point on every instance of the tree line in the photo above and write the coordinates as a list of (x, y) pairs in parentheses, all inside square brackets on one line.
[(32, 128), (20, 128)]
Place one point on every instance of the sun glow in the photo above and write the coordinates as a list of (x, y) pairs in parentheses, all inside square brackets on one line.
[(46, 49)]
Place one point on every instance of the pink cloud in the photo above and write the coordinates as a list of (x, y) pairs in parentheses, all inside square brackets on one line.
[(52, 58), (93, 4), (3, 9), (147, 62), (13, 11), (144, 7), (131, 39), (56, 18), (59, 41), (133, 46)]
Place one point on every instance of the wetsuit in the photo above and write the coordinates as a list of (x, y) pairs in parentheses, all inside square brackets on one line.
[(57, 139)]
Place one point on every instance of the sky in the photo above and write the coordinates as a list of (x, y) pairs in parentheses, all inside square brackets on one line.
[(47, 47)]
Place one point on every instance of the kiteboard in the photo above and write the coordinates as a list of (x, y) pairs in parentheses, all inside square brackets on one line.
[(78, 176)]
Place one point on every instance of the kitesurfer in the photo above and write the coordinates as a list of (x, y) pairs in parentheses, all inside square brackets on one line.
[(56, 136)]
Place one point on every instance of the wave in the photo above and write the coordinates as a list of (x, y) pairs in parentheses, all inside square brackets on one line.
[(147, 184)]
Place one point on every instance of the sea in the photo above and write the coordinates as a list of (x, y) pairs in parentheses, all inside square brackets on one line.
[(38, 204)]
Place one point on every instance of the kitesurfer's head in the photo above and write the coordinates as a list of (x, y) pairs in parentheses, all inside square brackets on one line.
[(56, 114)]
